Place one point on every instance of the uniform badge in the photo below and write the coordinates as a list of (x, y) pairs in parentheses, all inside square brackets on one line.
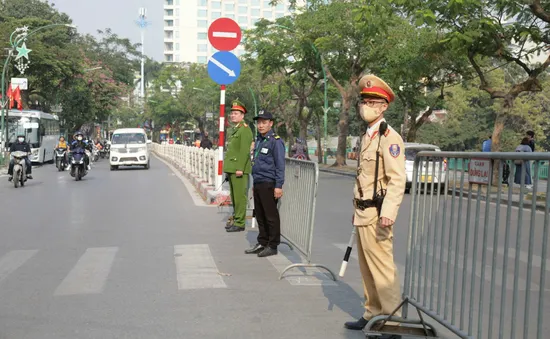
[(395, 150), (369, 84)]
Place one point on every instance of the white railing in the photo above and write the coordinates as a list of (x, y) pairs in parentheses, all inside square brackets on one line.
[(201, 162)]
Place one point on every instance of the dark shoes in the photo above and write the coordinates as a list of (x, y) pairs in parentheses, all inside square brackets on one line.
[(267, 251), (29, 176), (255, 249), (234, 229), (356, 325)]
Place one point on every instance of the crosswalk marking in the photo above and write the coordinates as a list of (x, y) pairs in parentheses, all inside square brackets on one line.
[(195, 267), (309, 276), (13, 260), (90, 273)]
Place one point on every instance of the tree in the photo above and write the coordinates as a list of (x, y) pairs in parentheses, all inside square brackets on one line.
[(490, 33)]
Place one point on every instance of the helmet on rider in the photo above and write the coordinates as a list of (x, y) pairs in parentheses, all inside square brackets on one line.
[(78, 136), (21, 137)]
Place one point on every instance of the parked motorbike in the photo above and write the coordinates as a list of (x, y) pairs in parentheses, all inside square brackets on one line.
[(19, 168), (60, 157), (78, 165)]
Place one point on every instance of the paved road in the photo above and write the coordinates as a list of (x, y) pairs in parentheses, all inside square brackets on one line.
[(128, 254)]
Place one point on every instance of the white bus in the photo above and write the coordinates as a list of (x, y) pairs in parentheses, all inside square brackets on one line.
[(41, 131)]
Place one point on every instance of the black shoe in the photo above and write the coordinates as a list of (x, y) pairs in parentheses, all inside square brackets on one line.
[(268, 251), (255, 249), (29, 176), (235, 229), (356, 325), (10, 178)]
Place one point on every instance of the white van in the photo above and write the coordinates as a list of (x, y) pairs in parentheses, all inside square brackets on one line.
[(411, 150), (129, 147)]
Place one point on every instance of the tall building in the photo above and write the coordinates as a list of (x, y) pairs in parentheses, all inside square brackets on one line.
[(186, 24)]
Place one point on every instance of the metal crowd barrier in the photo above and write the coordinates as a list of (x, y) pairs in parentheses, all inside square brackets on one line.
[(201, 162), (477, 255), (297, 209)]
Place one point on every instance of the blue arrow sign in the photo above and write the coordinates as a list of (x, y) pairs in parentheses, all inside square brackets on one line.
[(224, 68)]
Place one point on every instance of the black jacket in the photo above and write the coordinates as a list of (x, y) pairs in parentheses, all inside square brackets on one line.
[(20, 146)]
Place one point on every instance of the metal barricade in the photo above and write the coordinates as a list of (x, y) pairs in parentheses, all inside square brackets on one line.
[(297, 209), (477, 250)]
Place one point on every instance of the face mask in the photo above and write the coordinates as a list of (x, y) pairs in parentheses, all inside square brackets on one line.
[(369, 114), (79, 138), (21, 139)]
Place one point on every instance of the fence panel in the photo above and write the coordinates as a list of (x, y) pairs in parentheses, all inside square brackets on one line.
[(477, 255)]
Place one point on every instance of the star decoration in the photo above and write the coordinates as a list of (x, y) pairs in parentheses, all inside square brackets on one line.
[(23, 51)]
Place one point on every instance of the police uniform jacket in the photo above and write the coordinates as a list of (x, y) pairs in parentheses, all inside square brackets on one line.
[(391, 174), (237, 157), (269, 159)]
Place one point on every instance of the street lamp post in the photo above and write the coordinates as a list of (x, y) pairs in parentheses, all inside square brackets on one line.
[(325, 85), (17, 44)]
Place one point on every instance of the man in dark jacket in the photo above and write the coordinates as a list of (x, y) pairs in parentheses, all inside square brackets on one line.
[(20, 145), (205, 142)]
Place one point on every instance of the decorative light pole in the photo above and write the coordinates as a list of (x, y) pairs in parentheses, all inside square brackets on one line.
[(142, 23), (18, 45)]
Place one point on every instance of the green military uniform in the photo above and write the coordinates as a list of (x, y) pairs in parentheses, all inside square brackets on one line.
[(237, 158)]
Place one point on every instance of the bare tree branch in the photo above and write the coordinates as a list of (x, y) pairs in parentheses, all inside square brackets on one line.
[(484, 85)]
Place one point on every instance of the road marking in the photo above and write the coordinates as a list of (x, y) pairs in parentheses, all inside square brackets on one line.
[(224, 35), (304, 276), (90, 273), (13, 260), (195, 268), (523, 257)]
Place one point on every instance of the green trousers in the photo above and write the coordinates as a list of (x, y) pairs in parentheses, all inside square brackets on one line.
[(239, 197)]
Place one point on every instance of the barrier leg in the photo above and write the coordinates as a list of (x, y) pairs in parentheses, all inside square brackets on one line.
[(307, 265)]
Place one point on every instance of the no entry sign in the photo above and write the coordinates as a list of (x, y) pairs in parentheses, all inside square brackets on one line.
[(224, 34)]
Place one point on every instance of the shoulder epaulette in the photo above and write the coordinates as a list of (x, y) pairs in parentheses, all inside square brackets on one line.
[(387, 132), (244, 124), (277, 137)]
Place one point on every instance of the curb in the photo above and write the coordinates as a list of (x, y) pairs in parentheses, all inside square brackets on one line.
[(335, 171), (206, 191)]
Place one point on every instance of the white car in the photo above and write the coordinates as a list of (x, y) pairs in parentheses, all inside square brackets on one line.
[(427, 175), (129, 147)]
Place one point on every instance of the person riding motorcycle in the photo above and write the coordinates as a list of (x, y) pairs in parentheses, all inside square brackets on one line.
[(79, 142), (63, 145), (23, 146)]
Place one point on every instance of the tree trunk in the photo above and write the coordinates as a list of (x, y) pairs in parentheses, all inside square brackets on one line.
[(290, 135), (411, 134), (343, 128)]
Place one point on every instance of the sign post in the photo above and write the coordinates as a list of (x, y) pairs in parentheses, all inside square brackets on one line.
[(224, 68)]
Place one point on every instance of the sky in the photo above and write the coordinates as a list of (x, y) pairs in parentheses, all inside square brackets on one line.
[(120, 17)]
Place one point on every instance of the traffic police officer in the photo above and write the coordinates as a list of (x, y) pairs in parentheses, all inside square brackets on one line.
[(268, 171), (376, 209), (237, 166)]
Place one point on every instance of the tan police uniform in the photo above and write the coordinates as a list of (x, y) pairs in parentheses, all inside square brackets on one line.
[(375, 243)]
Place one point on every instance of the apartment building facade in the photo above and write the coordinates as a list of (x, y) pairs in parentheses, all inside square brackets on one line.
[(186, 24)]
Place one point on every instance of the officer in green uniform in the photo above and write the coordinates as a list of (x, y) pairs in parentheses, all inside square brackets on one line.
[(237, 165)]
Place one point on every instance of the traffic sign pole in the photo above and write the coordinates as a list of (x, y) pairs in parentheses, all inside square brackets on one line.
[(221, 139)]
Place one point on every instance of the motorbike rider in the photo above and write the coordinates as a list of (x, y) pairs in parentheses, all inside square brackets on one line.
[(63, 145), (79, 142), (23, 146)]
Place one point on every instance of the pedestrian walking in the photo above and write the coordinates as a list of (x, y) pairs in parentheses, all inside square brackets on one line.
[(531, 138), (268, 172), (378, 191), (237, 166), (523, 147)]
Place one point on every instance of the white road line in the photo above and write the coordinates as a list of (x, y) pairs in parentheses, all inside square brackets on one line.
[(197, 199), (195, 267), (299, 276), (224, 35), (90, 273), (13, 260)]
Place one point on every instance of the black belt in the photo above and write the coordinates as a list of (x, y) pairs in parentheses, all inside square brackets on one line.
[(363, 204)]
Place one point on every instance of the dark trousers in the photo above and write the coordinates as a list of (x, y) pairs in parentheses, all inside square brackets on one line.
[(267, 214), (28, 166)]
